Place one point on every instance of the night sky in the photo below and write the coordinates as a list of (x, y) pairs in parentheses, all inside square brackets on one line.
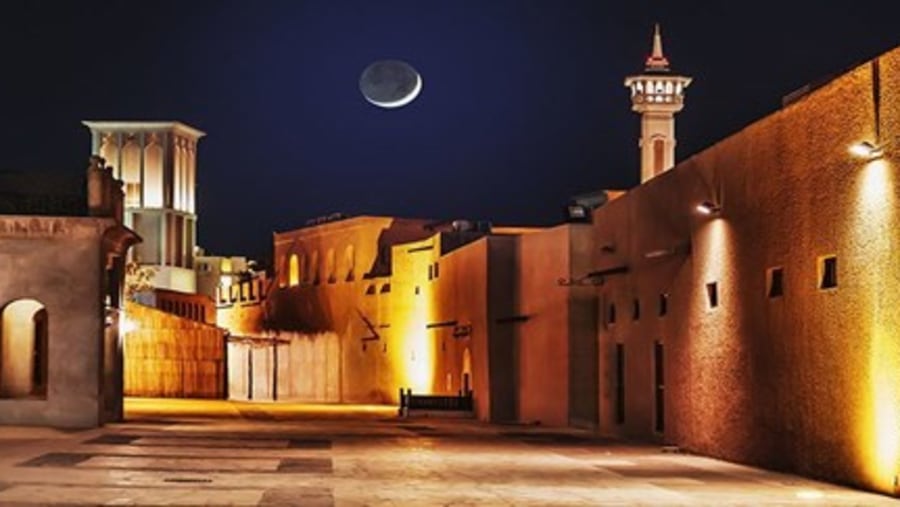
[(523, 104)]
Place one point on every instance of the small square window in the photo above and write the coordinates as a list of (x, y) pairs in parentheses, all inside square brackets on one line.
[(430, 272), (636, 309), (437, 269), (663, 304), (712, 294), (417, 290), (828, 272), (775, 282), (611, 315)]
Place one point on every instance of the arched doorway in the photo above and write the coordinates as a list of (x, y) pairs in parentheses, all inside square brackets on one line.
[(23, 349), (466, 376)]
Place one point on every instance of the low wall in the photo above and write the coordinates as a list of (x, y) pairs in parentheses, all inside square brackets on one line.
[(173, 357)]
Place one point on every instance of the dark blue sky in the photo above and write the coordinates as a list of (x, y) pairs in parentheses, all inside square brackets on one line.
[(523, 103)]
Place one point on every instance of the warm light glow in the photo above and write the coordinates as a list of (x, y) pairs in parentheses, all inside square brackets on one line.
[(413, 347), (293, 271), (17, 346), (867, 150), (713, 347), (126, 325), (878, 423), (809, 494)]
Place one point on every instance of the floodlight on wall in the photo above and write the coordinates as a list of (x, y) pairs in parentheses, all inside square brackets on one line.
[(656, 254), (594, 277), (126, 325), (578, 213), (708, 208), (867, 150)]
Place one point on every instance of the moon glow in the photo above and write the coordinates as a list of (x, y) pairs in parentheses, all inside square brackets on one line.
[(390, 83)]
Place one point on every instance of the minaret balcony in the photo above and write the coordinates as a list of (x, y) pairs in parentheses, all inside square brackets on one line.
[(658, 98)]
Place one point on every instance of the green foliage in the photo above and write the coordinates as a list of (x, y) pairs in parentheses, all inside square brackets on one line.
[(137, 279)]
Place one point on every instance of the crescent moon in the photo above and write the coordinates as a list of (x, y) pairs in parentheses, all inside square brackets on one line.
[(405, 100)]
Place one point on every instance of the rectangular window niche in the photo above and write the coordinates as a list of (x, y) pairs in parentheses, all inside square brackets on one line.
[(712, 294), (775, 282), (828, 274)]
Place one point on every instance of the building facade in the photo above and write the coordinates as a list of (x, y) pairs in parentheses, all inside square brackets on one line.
[(157, 161), (751, 316), (62, 265)]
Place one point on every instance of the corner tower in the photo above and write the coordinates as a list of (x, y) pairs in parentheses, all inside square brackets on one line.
[(657, 95), (157, 162)]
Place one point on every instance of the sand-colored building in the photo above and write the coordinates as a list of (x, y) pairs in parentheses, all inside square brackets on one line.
[(737, 304), (754, 316), (62, 249), (439, 308)]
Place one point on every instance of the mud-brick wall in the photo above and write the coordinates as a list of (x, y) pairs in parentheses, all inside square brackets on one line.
[(173, 357)]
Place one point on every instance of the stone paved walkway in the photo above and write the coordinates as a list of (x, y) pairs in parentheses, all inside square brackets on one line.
[(222, 453)]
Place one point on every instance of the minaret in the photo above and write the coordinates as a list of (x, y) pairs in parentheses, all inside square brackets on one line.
[(657, 95)]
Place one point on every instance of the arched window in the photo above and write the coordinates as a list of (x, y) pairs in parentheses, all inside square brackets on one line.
[(153, 174), (659, 155), (330, 266), (131, 172), (313, 276), (294, 271), (110, 152), (349, 263), (23, 349), (466, 373)]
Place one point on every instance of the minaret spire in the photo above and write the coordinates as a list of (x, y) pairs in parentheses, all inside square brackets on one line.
[(657, 61), (657, 95)]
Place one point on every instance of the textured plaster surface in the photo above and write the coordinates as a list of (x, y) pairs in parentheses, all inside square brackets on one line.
[(58, 262), (807, 381)]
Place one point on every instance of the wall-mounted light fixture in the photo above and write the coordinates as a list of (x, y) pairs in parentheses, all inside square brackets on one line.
[(708, 208), (577, 213), (655, 254), (867, 150), (594, 277)]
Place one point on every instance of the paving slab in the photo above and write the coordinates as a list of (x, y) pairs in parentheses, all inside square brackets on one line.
[(204, 452)]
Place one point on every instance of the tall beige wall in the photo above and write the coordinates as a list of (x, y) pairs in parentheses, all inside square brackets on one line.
[(807, 381), (58, 262), (460, 295), (332, 355), (425, 300), (555, 334)]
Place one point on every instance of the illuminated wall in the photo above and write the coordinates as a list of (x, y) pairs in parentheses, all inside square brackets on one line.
[(806, 379), (54, 268), (391, 304), (326, 315), (173, 357)]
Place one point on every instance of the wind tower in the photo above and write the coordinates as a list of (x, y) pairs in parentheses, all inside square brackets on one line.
[(657, 95), (157, 162)]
